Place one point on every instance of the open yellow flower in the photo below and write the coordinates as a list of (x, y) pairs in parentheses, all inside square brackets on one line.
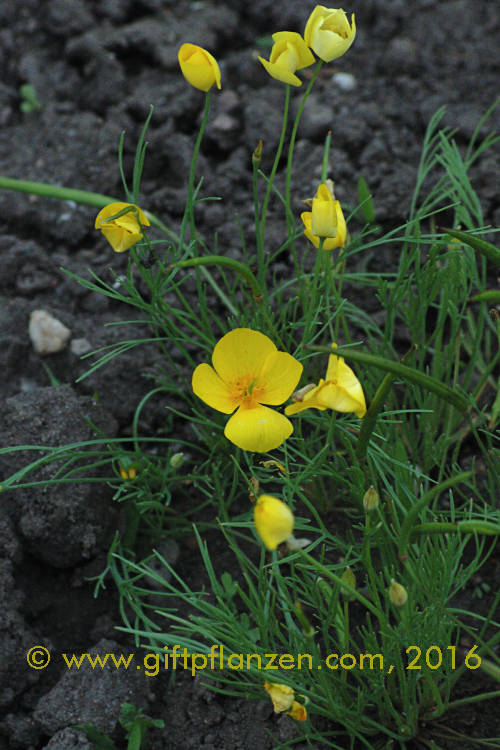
[(340, 391), (248, 371), (124, 231), (329, 33), (199, 67), (289, 53), (326, 220), (273, 520), (282, 697)]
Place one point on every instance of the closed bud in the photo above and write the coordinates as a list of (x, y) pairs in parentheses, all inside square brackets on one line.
[(257, 154), (370, 499), (397, 594), (177, 460), (349, 578)]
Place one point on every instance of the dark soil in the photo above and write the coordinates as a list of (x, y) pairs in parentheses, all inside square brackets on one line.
[(96, 66)]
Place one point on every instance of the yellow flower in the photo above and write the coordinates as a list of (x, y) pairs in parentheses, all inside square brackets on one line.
[(325, 220), (282, 697), (340, 391), (289, 53), (328, 32), (248, 371), (124, 231), (199, 67), (273, 520)]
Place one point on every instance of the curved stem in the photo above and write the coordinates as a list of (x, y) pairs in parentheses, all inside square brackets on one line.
[(275, 164), (291, 146), (189, 212)]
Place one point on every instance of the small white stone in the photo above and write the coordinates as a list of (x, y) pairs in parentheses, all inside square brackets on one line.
[(80, 346), (48, 335), (345, 81)]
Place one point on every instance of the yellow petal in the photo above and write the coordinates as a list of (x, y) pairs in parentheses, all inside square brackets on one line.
[(344, 389), (273, 521), (280, 73), (298, 712), (279, 376), (208, 386), (241, 352), (291, 39), (324, 218), (328, 244), (114, 208), (340, 372), (259, 430), (281, 696), (119, 238), (199, 67), (341, 225)]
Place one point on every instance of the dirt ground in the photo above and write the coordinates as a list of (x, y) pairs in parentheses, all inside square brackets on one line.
[(96, 67)]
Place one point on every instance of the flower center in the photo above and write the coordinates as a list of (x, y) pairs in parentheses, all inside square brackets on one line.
[(247, 392)]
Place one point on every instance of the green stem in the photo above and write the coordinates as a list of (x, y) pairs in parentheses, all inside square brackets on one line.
[(189, 212), (291, 146), (133, 519), (465, 701), (409, 522), (370, 418), (460, 527), (367, 560), (262, 230)]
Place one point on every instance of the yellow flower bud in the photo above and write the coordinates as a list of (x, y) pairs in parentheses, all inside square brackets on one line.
[(328, 32), (370, 499), (289, 53), (273, 520), (397, 594), (199, 67), (326, 220), (123, 231)]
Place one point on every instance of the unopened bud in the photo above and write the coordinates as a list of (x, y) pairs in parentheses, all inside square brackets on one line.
[(397, 594), (349, 578), (370, 499), (257, 154), (176, 460)]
